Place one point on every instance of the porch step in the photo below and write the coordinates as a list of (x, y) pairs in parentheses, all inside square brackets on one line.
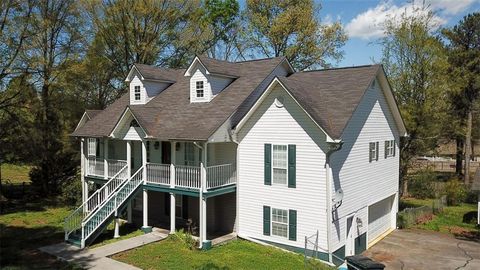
[(75, 239)]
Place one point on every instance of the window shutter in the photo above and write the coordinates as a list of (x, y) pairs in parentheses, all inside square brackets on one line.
[(185, 207), (370, 149), (292, 225), (167, 204), (394, 146), (268, 164), (266, 220), (292, 164), (386, 148), (376, 150)]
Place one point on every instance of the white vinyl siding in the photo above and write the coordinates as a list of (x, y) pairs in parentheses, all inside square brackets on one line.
[(141, 92), (279, 222), (282, 126), (279, 164), (212, 85), (364, 183)]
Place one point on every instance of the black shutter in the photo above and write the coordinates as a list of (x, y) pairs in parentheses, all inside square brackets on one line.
[(292, 165), (292, 225), (266, 220), (386, 148), (185, 207), (268, 164), (394, 146), (370, 149), (167, 204), (377, 150)]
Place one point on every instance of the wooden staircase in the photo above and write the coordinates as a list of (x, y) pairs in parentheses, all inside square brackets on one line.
[(93, 216)]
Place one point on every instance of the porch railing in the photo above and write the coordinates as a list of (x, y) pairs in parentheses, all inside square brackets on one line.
[(187, 176), (114, 166), (221, 175), (190, 176), (95, 167), (158, 173)]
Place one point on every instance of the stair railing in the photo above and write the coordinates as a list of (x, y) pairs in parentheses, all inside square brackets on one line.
[(74, 220), (93, 221)]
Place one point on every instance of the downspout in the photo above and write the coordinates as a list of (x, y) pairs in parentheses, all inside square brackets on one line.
[(332, 147)]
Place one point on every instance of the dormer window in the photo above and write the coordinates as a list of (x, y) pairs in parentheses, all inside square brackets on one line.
[(134, 123), (199, 89), (137, 92)]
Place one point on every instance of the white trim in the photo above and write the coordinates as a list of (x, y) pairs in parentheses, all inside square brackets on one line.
[(286, 167), (83, 120), (127, 109), (287, 224), (189, 70), (269, 89)]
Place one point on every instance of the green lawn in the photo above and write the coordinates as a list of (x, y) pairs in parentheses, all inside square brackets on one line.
[(450, 220), (15, 174), (171, 253), (126, 231)]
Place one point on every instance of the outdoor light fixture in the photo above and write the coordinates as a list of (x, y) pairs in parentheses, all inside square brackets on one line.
[(359, 222)]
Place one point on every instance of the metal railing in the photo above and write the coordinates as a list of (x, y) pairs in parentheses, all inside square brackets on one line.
[(187, 176), (114, 166), (95, 166), (221, 175), (158, 173), (74, 220)]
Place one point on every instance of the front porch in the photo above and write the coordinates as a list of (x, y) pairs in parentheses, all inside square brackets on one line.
[(183, 174)]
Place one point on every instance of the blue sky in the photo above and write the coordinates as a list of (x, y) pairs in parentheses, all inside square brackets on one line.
[(362, 21)]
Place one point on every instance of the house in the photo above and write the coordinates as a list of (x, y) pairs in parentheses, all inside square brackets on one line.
[(252, 148)]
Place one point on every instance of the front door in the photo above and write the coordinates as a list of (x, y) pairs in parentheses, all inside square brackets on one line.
[(166, 153), (350, 237)]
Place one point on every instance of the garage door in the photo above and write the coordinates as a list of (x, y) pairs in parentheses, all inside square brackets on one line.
[(379, 218)]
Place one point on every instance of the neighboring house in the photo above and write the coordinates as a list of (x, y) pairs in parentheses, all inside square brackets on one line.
[(252, 148)]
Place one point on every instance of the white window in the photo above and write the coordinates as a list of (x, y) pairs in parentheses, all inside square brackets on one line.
[(178, 205), (92, 147), (279, 164), (280, 222), (373, 151), (137, 92), (389, 148), (199, 89)]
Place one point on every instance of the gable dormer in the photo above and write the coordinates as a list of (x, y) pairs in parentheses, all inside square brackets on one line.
[(145, 82), (205, 80)]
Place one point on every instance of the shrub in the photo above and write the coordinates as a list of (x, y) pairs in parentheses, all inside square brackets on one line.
[(72, 191), (186, 238), (455, 192), (422, 184), (411, 216)]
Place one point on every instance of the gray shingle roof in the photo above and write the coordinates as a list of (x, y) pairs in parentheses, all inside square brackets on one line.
[(170, 115), (331, 96), (157, 73), (92, 113)]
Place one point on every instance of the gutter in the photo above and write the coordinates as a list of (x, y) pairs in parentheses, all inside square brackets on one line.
[(333, 147)]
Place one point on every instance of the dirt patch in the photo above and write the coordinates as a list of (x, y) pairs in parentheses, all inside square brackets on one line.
[(382, 256), (460, 232)]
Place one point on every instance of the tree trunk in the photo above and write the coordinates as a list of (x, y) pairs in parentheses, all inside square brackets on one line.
[(468, 148), (459, 156)]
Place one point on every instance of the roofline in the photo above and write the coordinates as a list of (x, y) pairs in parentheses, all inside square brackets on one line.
[(80, 121), (337, 68), (134, 67), (188, 70), (259, 101), (127, 108)]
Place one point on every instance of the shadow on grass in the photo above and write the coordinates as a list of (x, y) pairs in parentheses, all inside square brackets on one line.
[(211, 266), (19, 247), (31, 203), (107, 235)]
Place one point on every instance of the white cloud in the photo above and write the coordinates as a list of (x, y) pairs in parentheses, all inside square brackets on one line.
[(369, 24), (329, 19)]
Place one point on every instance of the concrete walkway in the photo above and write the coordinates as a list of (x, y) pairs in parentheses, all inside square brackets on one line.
[(97, 258), (419, 249)]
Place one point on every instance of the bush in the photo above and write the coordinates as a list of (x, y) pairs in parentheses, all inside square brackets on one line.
[(72, 191), (411, 216), (186, 238), (422, 184), (455, 192)]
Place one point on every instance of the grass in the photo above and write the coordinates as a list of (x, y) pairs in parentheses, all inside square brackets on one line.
[(449, 221), (24, 231), (15, 174), (126, 231), (172, 253)]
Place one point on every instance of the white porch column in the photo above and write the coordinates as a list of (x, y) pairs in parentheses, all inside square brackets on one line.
[(172, 213), (145, 226), (116, 233), (105, 158), (173, 158), (203, 199), (82, 170), (129, 158)]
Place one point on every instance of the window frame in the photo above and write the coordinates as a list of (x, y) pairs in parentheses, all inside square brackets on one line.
[(286, 165), (135, 92), (198, 89), (390, 148), (92, 147), (375, 152), (281, 223)]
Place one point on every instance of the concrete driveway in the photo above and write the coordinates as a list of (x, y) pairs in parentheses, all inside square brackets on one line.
[(417, 249)]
